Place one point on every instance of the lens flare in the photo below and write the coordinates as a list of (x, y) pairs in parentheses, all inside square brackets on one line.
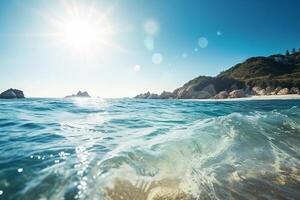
[(157, 58), (203, 42)]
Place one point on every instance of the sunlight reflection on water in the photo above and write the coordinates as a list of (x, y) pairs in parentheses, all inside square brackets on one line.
[(147, 149)]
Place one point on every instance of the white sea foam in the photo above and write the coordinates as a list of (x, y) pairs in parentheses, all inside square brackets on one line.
[(95, 149)]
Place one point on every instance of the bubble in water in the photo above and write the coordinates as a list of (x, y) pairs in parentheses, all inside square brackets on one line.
[(20, 170), (157, 58), (219, 33), (196, 49), (31, 156), (151, 27), (1, 192), (56, 161), (136, 68), (202, 42), (149, 43)]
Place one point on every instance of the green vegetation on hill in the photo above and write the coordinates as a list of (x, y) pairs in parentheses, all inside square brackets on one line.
[(275, 70), (220, 83)]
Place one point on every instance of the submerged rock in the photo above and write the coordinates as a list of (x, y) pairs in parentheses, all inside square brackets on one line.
[(12, 94), (84, 94)]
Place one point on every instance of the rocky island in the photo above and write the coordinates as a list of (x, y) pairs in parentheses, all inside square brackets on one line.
[(273, 75), (84, 94), (12, 94)]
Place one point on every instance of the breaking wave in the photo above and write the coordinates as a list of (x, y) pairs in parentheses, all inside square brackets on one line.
[(149, 149)]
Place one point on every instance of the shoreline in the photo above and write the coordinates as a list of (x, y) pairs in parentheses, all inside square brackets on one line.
[(256, 97), (247, 98)]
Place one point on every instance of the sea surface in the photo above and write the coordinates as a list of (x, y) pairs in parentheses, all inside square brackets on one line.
[(127, 149)]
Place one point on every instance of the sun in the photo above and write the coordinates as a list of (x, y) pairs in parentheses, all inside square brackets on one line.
[(85, 34), (83, 29), (81, 33)]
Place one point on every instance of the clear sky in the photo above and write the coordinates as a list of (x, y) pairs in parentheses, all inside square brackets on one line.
[(122, 48)]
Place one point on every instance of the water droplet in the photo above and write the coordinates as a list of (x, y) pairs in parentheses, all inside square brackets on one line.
[(219, 33), (20, 170), (157, 58), (1, 192), (31, 156), (56, 161), (202, 42), (39, 157)]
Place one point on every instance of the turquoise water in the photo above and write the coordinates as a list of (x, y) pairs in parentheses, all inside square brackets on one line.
[(149, 149)]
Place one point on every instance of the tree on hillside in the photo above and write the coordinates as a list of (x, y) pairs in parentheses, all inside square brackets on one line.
[(287, 53), (293, 50)]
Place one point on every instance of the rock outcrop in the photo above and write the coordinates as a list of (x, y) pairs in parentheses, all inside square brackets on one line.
[(166, 95), (12, 94), (255, 76), (259, 91), (143, 95), (222, 95), (148, 95), (237, 94), (294, 90), (269, 90), (84, 94), (283, 91)]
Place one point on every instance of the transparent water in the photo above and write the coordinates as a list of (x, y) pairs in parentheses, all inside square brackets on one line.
[(149, 149)]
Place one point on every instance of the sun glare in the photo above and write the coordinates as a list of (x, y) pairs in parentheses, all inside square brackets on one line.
[(83, 29), (83, 34), (80, 34)]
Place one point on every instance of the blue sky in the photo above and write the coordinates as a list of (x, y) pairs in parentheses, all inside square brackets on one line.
[(148, 45)]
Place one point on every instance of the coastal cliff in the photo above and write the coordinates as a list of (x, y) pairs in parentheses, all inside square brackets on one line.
[(273, 75)]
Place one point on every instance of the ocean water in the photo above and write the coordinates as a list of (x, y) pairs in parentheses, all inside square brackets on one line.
[(130, 149)]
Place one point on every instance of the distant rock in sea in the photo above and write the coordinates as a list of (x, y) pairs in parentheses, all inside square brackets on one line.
[(84, 94), (12, 94)]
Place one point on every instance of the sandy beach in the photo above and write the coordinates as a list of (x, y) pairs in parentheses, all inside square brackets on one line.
[(254, 97)]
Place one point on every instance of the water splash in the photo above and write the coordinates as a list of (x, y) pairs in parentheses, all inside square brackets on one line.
[(143, 149)]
